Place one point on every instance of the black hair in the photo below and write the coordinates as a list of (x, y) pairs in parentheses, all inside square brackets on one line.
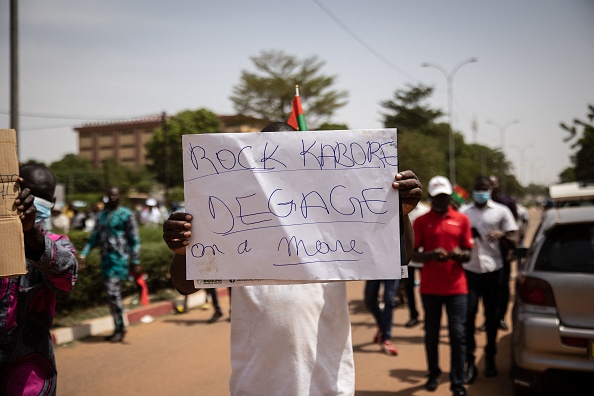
[(482, 180), (39, 179), (278, 127)]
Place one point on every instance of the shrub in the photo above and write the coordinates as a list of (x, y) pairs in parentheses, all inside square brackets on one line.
[(88, 291)]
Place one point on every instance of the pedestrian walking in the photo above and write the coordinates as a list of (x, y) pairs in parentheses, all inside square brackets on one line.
[(492, 223), (116, 235)]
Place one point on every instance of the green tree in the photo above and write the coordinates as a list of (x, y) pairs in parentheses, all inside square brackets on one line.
[(408, 112), (327, 126), (583, 159), (423, 142), (419, 136), (268, 93), (114, 174), (165, 147), (76, 174)]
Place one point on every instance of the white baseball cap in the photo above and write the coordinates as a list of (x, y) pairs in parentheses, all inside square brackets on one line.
[(151, 202), (439, 185)]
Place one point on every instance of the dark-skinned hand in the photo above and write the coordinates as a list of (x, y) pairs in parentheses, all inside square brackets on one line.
[(24, 204), (410, 188), (177, 231)]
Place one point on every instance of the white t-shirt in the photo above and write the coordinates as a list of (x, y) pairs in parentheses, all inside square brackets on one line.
[(486, 256), (291, 340)]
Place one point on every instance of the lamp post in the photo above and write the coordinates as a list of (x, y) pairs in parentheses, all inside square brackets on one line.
[(522, 151), (450, 80), (502, 129)]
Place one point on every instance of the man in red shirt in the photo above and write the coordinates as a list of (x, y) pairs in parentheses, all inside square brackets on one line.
[(443, 240)]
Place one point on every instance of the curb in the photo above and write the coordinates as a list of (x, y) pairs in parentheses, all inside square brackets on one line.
[(145, 314)]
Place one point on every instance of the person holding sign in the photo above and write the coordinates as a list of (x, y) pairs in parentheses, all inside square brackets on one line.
[(290, 339), (28, 302)]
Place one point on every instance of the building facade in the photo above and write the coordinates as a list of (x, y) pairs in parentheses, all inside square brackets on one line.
[(125, 141)]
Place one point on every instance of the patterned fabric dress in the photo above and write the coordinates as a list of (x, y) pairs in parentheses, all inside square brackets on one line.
[(116, 235), (27, 307)]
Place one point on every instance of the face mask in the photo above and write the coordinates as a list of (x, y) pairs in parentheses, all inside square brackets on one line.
[(481, 197), (44, 210)]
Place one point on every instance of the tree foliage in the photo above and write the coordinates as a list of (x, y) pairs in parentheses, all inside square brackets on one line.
[(327, 126), (76, 174), (268, 93), (165, 147), (423, 143), (583, 143), (407, 112), (419, 137)]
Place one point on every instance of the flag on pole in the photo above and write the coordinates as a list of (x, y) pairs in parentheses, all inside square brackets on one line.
[(460, 195), (296, 118)]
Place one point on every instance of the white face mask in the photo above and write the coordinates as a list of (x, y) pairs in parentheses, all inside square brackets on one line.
[(44, 209)]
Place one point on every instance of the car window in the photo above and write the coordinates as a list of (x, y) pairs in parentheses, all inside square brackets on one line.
[(568, 248)]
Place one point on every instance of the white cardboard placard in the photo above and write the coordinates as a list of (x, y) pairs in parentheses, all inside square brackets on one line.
[(292, 206)]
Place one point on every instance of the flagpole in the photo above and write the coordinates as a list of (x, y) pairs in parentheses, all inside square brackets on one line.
[(296, 118)]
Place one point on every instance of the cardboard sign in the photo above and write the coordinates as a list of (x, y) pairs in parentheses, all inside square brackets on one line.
[(12, 245), (292, 207)]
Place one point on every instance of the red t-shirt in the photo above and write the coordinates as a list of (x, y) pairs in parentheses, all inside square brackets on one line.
[(451, 230)]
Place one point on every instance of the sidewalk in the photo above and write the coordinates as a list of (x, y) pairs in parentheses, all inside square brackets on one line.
[(143, 314)]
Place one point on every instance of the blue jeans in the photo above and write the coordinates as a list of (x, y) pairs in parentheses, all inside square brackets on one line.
[(383, 317), (456, 310)]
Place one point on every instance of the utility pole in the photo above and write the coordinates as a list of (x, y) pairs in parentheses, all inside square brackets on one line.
[(450, 87), (165, 157), (14, 69), (502, 129)]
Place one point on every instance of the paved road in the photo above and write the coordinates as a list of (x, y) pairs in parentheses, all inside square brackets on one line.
[(183, 355)]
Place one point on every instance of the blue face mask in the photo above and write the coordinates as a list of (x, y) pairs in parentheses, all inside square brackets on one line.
[(44, 210), (481, 197)]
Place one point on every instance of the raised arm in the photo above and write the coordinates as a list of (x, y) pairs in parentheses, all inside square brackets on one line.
[(411, 190)]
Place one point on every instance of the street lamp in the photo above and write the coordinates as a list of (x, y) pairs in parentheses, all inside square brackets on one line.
[(502, 129), (522, 151), (450, 80)]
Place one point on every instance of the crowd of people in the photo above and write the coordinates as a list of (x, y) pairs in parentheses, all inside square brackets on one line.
[(461, 255)]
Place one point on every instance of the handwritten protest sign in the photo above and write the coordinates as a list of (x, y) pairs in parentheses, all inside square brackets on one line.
[(292, 206)]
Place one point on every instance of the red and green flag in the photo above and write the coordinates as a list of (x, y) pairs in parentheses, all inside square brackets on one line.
[(460, 195), (296, 118)]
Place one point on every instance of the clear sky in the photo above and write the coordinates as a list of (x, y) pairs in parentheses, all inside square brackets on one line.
[(100, 60)]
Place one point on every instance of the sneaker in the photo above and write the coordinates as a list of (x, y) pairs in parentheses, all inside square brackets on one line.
[(490, 367), (432, 382), (459, 392), (388, 348), (377, 339), (216, 316), (412, 323), (118, 336)]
